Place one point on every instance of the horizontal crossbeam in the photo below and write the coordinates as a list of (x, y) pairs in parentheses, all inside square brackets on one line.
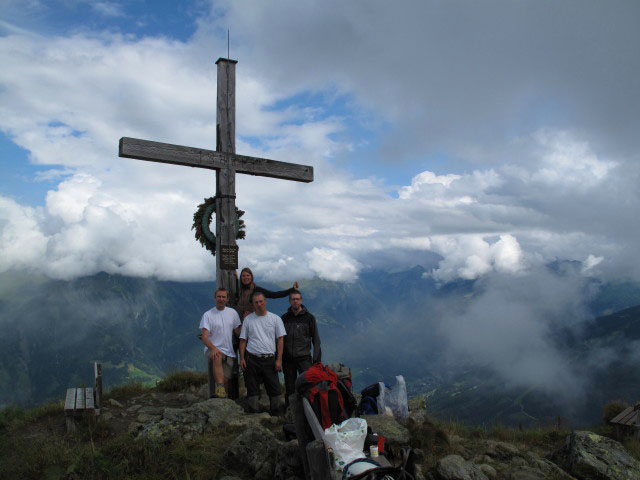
[(201, 158)]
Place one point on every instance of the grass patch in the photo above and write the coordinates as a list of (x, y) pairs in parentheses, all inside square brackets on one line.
[(140, 376), (435, 438), (529, 437), (613, 408), (633, 447), (127, 390), (11, 417), (180, 381), (121, 457), (432, 438)]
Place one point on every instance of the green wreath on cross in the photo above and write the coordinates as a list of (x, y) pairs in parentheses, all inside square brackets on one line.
[(202, 221)]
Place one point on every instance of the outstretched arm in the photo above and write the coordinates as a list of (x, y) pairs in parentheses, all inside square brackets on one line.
[(270, 294)]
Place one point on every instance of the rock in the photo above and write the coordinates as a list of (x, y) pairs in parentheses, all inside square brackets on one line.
[(158, 429), (387, 426), (191, 398), (288, 461), (204, 391), (482, 459), (134, 408), (113, 402), (218, 410), (151, 410), (501, 450), (488, 470), (196, 420), (586, 455), (419, 472), (454, 467), (526, 473), (106, 416), (146, 418), (255, 449), (222, 411), (550, 469), (135, 427)]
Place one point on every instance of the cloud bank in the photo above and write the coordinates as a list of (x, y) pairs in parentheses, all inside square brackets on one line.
[(516, 169)]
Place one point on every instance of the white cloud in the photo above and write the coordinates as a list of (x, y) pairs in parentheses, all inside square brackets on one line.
[(423, 181), (109, 9), (471, 256), (590, 263), (549, 193), (72, 197), (333, 264), (510, 324), (22, 244)]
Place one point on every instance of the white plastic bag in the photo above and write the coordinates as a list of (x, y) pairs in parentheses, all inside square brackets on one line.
[(396, 399), (347, 440)]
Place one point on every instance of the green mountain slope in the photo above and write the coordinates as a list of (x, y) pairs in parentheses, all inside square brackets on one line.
[(381, 325)]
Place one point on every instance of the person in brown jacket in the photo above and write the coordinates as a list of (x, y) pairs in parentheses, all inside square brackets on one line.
[(247, 287)]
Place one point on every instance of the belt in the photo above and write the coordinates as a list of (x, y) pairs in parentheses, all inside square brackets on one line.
[(262, 355)]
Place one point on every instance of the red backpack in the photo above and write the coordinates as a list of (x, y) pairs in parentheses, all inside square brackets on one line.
[(319, 385)]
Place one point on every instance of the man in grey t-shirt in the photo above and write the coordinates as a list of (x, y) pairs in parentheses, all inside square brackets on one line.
[(261, 345)]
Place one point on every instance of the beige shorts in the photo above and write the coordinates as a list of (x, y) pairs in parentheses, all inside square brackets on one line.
[(228, 364)]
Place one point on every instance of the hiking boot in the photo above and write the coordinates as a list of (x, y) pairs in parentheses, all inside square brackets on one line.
[(275, 406), (220, 391), (252, 404)]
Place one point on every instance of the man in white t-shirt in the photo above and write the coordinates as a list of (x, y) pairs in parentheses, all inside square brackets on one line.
[(218, 327), (261, 344)]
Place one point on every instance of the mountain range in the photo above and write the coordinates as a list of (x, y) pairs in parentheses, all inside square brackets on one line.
[(381, 325)]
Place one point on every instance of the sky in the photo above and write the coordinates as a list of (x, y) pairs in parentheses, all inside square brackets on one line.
[(473, 138)]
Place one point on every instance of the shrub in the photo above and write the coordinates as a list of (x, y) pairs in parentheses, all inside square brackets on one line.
[(613, 408), (14, 416), (126, 390), (179, 381)]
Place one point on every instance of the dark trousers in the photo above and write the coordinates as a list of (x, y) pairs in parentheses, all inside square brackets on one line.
[(261, 369), (291, 367)]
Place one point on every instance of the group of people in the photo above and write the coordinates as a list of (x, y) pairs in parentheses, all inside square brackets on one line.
[(268, 343)]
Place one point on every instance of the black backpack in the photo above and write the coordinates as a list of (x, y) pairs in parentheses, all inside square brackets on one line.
[(369, 400)]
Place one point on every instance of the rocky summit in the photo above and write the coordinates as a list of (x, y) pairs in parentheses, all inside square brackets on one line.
[(159, 434)]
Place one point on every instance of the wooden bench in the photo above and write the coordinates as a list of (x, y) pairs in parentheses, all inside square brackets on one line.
[(83, 401)]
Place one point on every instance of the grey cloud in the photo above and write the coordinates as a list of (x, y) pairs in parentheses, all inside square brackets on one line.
[(461, 77)]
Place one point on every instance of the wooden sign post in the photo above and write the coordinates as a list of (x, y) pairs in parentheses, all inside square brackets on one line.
[(226, 163)]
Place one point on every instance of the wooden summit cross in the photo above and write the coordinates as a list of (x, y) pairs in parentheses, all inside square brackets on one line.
[(226, 163)]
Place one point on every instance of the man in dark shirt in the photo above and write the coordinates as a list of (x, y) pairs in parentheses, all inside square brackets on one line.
[(302, 332)]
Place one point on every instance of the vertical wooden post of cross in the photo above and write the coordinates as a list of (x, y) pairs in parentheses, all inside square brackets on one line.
[(226, 247)]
